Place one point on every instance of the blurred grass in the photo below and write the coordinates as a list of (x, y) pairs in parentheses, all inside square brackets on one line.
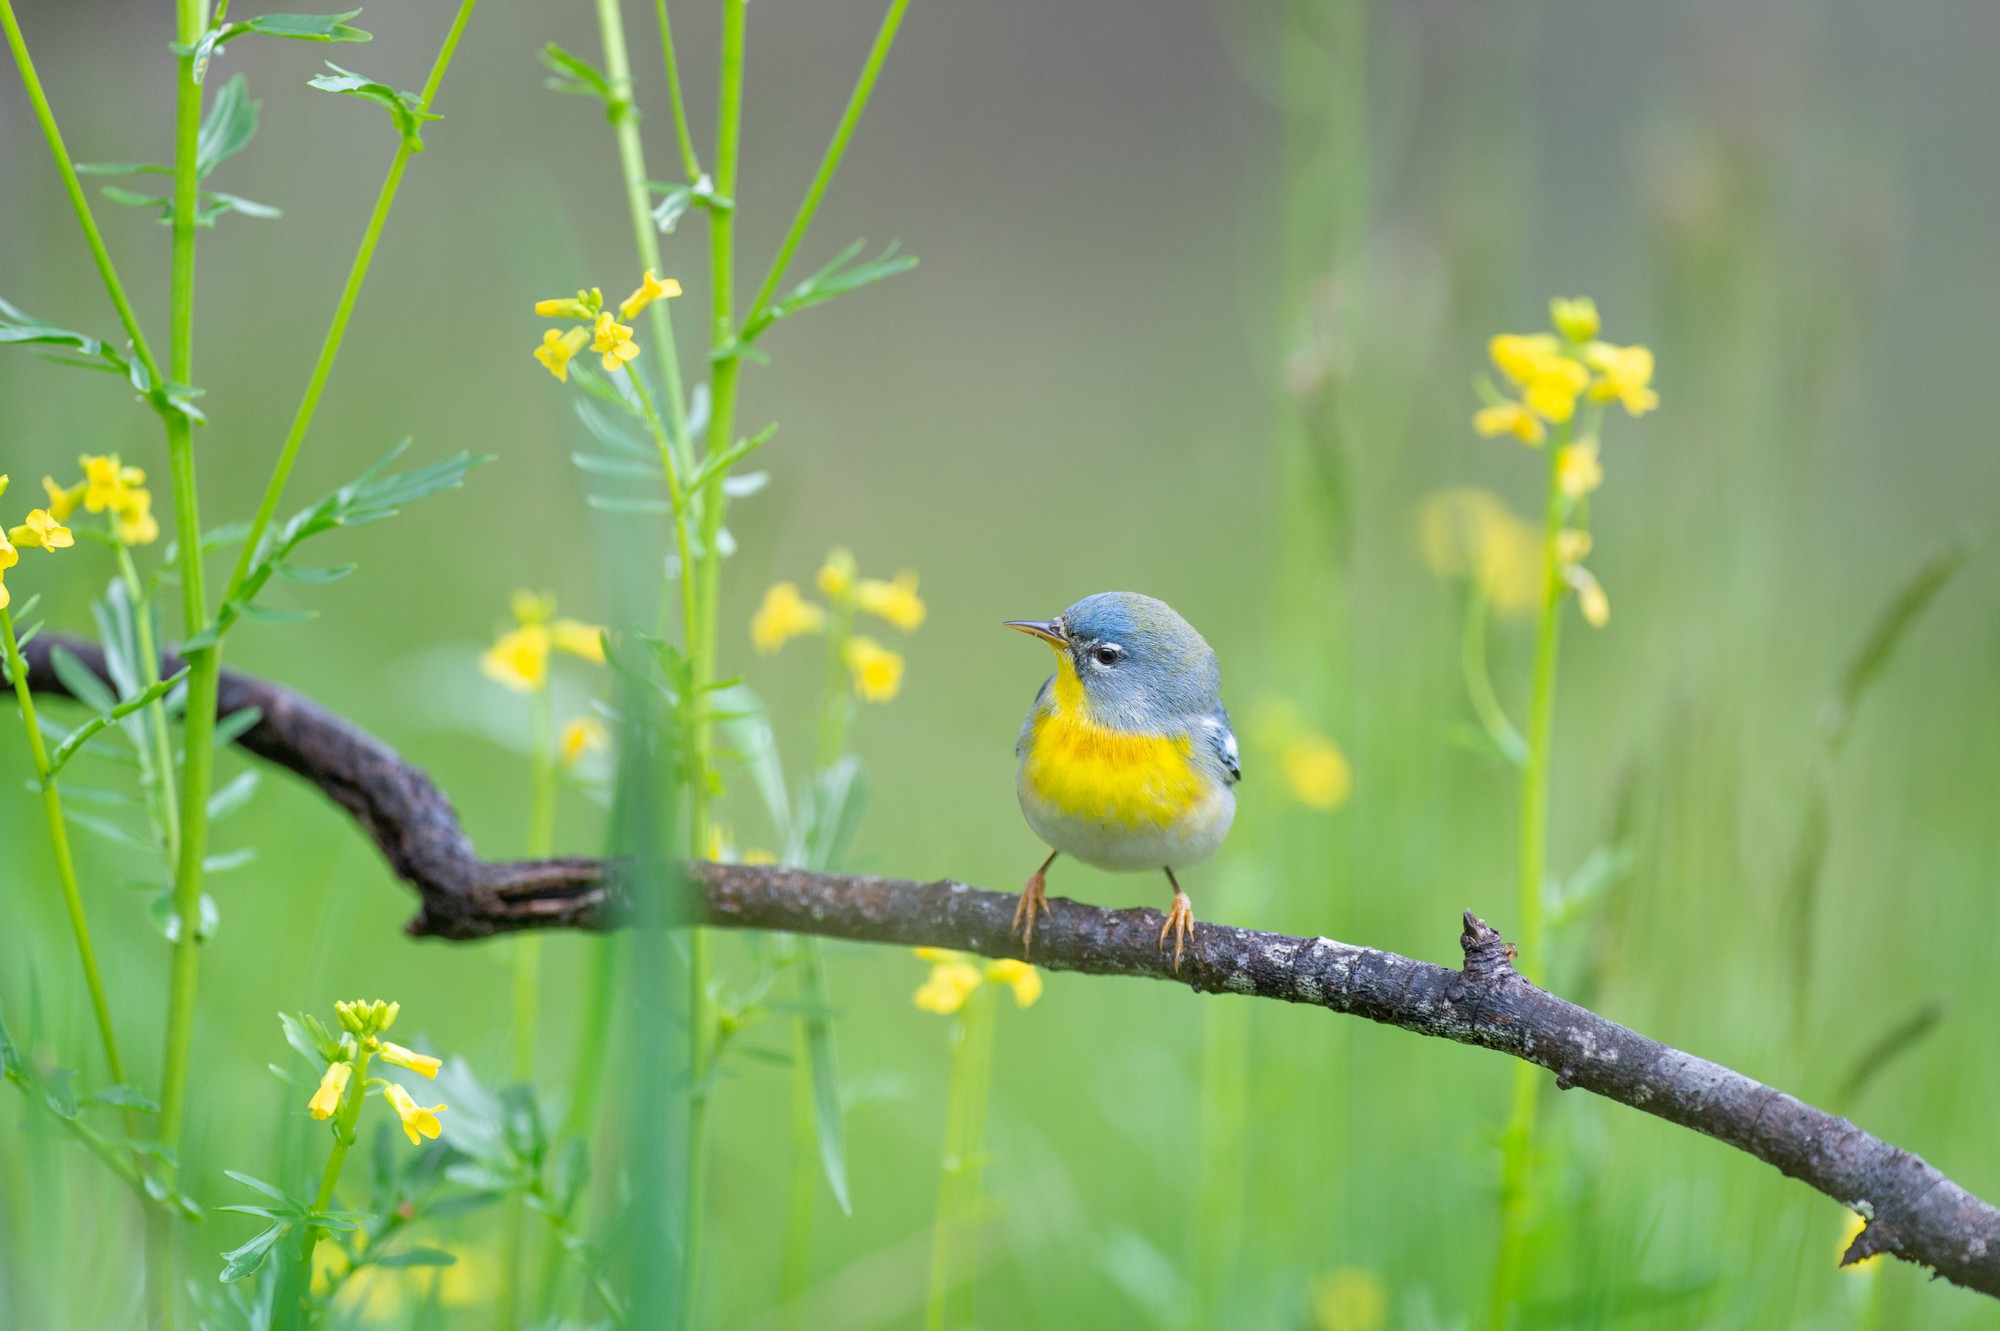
[(1080, 389)]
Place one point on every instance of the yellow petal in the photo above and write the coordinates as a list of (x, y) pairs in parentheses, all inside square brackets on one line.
[(578, 639), (836, 575), (333, 1085), (421, 1064)]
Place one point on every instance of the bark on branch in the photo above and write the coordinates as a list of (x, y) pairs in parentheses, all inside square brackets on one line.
[(1913, 1210)]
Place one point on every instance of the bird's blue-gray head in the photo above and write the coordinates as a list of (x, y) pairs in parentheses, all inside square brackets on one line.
[(1139, 664)]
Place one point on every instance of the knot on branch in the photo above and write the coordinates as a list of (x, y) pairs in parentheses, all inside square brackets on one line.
[(1875, 1238), (1488, 956)]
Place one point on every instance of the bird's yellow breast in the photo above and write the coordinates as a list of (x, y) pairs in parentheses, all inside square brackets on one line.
[(1090, 771)]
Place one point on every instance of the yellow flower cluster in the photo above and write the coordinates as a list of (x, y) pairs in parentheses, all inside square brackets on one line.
[(954, 976), (1572, 547), (40, 530), (108, 486), (786, 614), (609, 338), (363, 1024), (1552, 371), (519, 657)]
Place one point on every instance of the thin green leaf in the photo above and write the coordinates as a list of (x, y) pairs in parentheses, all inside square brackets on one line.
[(305, 27), (405, 109), (1897, 618), (627, 504), (228, 127), (313, 577), (81, 681), (122, 1097), (829, 1118), (242, 1261), (233, 796), (836, 279)]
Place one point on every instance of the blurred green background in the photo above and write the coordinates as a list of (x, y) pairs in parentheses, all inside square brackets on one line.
[(1202, 290)]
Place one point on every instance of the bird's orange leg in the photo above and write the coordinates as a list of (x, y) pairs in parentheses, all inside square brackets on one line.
[(1032, 900), (1179, 921)]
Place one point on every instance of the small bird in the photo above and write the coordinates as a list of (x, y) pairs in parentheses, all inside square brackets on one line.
[(1127, 759)]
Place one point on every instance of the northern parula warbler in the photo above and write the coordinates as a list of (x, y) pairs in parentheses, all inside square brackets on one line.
[(1127, 759)]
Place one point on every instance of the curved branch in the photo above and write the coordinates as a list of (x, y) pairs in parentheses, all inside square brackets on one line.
[(1913, 1210)]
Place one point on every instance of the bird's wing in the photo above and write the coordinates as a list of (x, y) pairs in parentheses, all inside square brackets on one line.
[(1222, 740)]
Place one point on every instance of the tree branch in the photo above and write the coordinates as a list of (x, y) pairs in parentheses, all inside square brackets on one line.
[(1913, 1210)]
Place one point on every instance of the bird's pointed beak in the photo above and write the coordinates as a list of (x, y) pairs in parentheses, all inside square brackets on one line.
[(1049, 631)]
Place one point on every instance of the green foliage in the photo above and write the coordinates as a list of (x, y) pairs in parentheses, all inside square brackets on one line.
[(227, 129), (374, 495), (297, 27), (839, 277), (21, 328), (405, 109)]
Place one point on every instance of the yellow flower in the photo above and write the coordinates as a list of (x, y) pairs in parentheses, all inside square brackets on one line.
[(106, 482), (1572, 546), (421, 1064), (136, 523), (1575, 319), (614, 342), (836, 575), (1552, 392), (581, 735), (1522, 356), (1590, 597), (3, 485), (42, 531), (759, 857), (62, 502), (519, 659), (1472, 533), (951, 982), (332, 1086), (9, 557), (557, 349), (1851, 1231), (1627, 376), (1349, 1298), (418, 1122), (896, 601), (584, 305), (650, 289), (784, 615), (878, 672), (1023, 979), (578, 639), (1316, 771), (1510, 417), (1578, 471)]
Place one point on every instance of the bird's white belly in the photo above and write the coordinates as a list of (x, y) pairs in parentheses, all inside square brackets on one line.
[(1111, 844)]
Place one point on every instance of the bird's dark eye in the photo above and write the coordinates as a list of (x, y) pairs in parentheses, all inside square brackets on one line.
[(1108, 654)]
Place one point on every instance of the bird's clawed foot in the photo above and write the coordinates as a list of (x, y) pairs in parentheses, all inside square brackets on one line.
[(1179, 923), (1033, 900)]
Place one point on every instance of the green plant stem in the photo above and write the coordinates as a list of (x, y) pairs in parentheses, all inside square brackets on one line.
[(964, 1144), (160, 745), (343, 310), (528, 973), (857, 102), (344, 1120), (74, 188), (1479, 683), (204, 664), (677, 495), (690, 163), (702, 632), (639, 201), (1518, 1140), (17, 670)]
